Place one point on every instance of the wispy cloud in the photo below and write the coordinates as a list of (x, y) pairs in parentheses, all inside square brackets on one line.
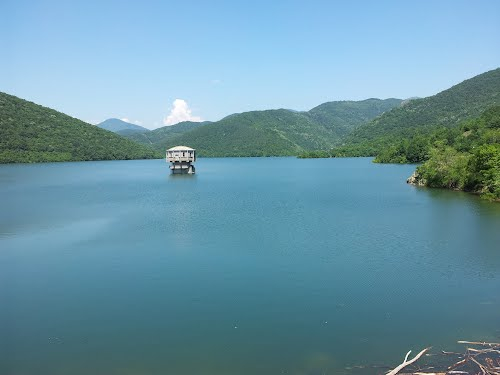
[(215, 81), (125, 119), (180, 112)]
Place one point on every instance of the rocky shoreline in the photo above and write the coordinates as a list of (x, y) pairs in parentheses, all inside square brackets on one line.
[(416, 179)]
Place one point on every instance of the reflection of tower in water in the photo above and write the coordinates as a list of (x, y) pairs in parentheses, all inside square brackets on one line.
[(180, 159)]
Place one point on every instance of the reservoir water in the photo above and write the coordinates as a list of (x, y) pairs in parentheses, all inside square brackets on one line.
[(251, 266)]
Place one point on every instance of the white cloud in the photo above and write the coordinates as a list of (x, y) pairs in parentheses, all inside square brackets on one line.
[(180, 112), (137, 122), (125, 119)]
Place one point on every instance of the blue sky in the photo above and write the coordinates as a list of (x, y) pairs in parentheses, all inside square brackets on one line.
[(125, 59)]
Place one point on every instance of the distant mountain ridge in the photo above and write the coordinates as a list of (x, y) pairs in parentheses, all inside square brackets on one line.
[(411, 123), (164, 133), (117, 126), (258, 133), (32, 133), (463, 101), (277, 132), (345, 116)]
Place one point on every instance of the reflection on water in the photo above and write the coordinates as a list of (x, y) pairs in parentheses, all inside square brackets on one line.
[(181, 176), (252, 265)]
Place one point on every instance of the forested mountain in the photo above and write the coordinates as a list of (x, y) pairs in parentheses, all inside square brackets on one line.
[(159, 137), (420, 117), (463, 101), (345, 116), (448, 108), (32, 133), (119, 126), (258, 133), (272, 132)]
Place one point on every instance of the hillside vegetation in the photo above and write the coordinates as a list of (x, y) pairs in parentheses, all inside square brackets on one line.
[(448, 108), (343, 117), (158, 138), (420, 117), (261, 133), (32, 133), (465, 158), (277, 132)]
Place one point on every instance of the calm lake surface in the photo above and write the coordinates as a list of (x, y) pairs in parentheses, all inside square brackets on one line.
[(251, 266)]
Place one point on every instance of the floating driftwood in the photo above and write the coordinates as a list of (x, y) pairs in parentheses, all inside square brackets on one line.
[(406, 362), (483, 359), (479, 358)]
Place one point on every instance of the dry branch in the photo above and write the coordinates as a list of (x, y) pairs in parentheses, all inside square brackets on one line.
[(484, 359), (479, 343), (406, 362)]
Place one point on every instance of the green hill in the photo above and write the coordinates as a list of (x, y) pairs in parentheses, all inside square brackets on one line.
[(465, 158), (260, 133), (449, 108), (119, 126), (343, 117), (277, 132), (32, 133), (159, 137)]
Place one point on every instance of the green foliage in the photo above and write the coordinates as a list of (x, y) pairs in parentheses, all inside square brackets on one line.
[(465, 157), (485, 171), (446, 168), (31, 133), (468, 159), (342, 117), (447, 109), (315, 154), (270, 133), (412, 150), (259, 133), (385, 135), (158, 138)]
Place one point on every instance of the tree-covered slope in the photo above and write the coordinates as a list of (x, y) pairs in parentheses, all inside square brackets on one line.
[(465, 158), (345, 116), (118, 126), (448, 108), (32, 133), (406, 125), (159, 137), (259, 133), (272, 132)]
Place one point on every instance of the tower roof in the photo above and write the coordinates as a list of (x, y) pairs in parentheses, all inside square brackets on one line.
[(181, 148)]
